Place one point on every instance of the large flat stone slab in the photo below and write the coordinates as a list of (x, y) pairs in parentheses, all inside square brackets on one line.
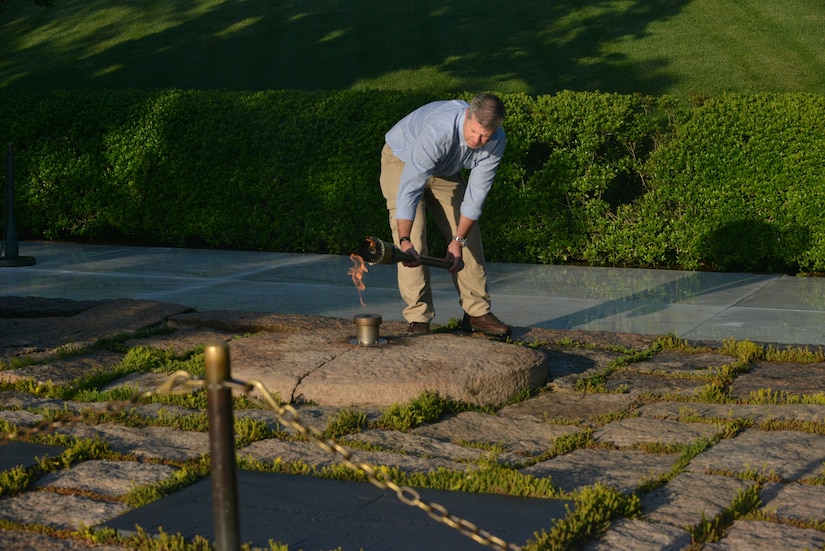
[(323, 367), (312, 513)]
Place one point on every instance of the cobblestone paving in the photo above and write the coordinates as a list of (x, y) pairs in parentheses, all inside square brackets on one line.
[(691, 430)]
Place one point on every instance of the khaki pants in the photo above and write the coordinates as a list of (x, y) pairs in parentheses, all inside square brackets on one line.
[(442, 198)]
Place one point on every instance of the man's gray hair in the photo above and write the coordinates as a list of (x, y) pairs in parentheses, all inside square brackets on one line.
[(488, 110)]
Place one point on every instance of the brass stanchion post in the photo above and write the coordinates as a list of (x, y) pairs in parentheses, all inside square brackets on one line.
[(222, 449)]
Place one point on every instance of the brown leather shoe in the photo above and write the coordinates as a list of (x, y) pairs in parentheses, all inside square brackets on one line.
[(418, 328), (487, 324)]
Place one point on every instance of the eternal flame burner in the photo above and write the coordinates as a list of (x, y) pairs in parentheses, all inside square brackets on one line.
[(366, 330)]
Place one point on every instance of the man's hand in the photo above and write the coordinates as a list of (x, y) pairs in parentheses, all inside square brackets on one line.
[(410, 250), (454, 255)]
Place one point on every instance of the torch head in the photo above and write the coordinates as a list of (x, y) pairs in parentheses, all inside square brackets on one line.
[(375, 251)]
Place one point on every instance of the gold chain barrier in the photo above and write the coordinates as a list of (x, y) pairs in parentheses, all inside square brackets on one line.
[(182, 382)]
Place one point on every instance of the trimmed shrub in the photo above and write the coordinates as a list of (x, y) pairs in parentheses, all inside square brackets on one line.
[(740, 188), (733, 183)]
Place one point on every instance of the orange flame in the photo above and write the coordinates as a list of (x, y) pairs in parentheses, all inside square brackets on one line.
[(357, 272)]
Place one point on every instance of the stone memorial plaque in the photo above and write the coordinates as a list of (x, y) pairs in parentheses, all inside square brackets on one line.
[(312, 513), (25, 454)]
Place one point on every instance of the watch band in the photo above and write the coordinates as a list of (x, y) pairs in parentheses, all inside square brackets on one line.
[(461, 240)]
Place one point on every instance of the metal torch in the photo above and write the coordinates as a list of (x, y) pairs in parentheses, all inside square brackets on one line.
[(375, 251)]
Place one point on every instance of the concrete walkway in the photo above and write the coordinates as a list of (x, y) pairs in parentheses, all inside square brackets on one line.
[(693, 305)]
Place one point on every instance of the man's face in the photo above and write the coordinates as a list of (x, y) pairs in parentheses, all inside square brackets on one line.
[(474, 134)]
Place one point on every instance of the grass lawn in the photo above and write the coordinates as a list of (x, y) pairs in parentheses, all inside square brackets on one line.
[(677, 47)]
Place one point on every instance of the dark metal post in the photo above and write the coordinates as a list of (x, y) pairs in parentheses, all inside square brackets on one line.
[(222, 449), (11, 249)]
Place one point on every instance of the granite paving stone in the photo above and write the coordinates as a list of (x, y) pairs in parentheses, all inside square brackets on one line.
[(800, 379), (107, 478), (673, 362), (794, 501), (313, 455), (806, 413), (767, 536), (20, 417), (415, 444), (639, 535), (65, 370), (638, 384), (686, 501), (87, 324), (526, 436), (13, 540), (789, 455), (639, 430), (566, 362), (623, 470), (58, 510), (309, 415), (567, 406), (183, 340), (146, 442), (24, 400)]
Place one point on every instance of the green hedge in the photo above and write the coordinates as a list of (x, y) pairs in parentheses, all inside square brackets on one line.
[(734, 183)]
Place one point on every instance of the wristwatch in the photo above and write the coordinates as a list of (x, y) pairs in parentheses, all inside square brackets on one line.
[(461, 240)]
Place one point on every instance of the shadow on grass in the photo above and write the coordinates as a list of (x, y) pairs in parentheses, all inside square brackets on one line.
[(530, 46)]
